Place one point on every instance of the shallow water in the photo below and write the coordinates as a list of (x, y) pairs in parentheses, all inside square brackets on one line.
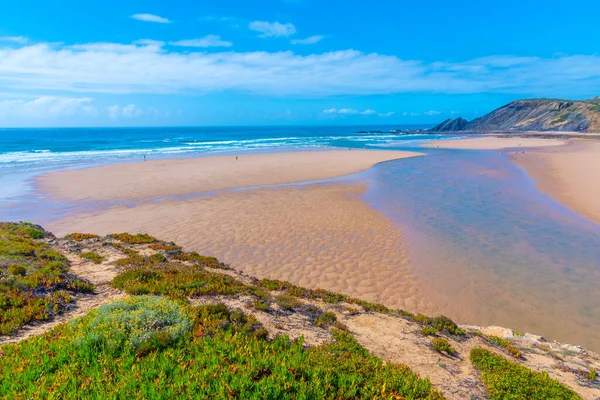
[(489, 248)]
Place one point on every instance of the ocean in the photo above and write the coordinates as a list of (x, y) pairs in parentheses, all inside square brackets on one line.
[(26, 153)]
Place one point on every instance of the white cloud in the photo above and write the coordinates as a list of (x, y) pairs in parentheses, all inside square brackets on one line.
[(308, 40), (273, 29), (387, 114), (46, 107), (114, 112), (55, 109), (151, 18), (130, 111), (349, 111), (146, 67), (432, 112), (14, 39), (206, 41)]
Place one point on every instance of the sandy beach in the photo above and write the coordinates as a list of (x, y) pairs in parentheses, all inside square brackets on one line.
[(494, 143), (178, 177), (319, 236), (568, 174)]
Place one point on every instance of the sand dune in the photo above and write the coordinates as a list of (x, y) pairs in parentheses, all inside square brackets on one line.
[(494, 143), (178, 177)]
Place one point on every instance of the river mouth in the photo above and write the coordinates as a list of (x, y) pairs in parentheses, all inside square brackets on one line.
[(489, 249)]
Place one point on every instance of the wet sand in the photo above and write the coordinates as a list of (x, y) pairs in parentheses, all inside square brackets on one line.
[(179, 177), (318, 236), (494, 143), (568, 174)]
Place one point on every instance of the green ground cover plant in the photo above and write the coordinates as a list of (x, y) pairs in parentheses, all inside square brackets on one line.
[(210, 262), (440, 323), (509, 380), (93, 257), (224, 355), (80, 237), (140, 238), (287, 302), (505, 343), (34, 279), (326, 319), (442, 345), (155, 275)]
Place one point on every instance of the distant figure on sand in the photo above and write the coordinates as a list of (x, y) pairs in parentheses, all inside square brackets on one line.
[(144, 157), (236, 158)]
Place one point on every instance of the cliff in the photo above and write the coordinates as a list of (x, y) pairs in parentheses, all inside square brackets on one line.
[(543, 115), (451, 125)]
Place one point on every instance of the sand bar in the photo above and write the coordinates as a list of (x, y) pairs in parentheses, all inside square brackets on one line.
[(177, 177), (318, 236), (494, 143), (568, 174)]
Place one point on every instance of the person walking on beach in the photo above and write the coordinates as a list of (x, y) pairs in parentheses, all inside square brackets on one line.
[(144, 158)]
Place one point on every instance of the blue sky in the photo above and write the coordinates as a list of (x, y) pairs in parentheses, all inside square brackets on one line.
[(288, 62)]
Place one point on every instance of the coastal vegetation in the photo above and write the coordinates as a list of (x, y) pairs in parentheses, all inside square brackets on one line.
[(35, 283), (201, 352), (508, 380), (93, 257), (442, 345), (192, 327)]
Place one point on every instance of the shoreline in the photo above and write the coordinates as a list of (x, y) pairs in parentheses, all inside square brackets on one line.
[(494, 142), (562, 169), (567, 176), (184, 176)]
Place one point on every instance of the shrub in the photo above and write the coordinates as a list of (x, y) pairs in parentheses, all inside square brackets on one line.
[(445, 324), (287, 302), (36, 273), (169, 248), (261, 305), (140, 238), (23, 229), (440, 345), (325, 320), (80, 237), (138, 322), (428, 330), (210, 262), (93, 257), (17, 269), (516, 353), (508, 380), (592, 375)]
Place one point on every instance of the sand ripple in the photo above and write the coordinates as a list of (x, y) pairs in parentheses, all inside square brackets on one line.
[(319, 236)]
